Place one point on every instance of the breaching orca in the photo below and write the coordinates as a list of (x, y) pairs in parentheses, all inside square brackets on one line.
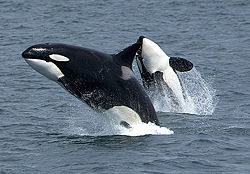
[(158, 70), (103, 81)]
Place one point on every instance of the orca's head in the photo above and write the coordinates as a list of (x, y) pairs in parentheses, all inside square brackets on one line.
[(45, 59), (151, 61), (150, 57)]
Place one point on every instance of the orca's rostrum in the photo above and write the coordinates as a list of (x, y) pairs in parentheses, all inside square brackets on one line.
[(103, 81)]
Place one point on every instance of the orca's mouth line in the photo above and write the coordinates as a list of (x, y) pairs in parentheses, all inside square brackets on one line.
[(138, 55), (140, 59), (139, 51)]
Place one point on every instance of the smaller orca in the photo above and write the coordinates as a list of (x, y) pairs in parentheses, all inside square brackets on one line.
[(158, 70), (105, 82)]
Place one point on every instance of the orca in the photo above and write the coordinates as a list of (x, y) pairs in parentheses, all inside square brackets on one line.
[(103, 81), (158, 70)]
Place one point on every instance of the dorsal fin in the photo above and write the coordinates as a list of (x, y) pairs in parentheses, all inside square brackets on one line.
[(126, 56)]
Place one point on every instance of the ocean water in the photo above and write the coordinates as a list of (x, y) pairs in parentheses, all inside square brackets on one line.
[(44, 129)]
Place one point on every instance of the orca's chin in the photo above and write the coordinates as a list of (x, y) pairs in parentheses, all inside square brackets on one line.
[(48, 69)]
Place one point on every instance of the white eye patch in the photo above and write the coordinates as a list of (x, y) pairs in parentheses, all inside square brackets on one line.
[(59, 58)]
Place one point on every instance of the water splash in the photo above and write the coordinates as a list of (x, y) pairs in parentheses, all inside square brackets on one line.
[(99, 124), (199, 96), (145, 129), (200, 99)]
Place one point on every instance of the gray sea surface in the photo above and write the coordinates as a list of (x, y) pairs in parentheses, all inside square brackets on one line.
[(44, 129)]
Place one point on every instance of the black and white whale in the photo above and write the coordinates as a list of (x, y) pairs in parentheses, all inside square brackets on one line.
[(158, 70), (105, 82)]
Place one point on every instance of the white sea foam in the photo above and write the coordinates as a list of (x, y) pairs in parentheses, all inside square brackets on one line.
[(145, 129), (135, 130), (96, 124)]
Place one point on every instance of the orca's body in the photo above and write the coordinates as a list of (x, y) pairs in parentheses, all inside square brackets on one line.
[(158, 70), (101, 80)]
